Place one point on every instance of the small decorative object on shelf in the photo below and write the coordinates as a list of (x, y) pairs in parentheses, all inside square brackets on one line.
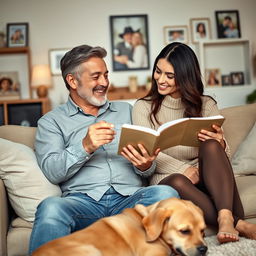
[(2, 36), (41, 80), (133, 84), (17, 34), (148, 83)]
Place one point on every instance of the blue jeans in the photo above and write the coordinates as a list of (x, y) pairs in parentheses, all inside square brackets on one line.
[(60, 216)]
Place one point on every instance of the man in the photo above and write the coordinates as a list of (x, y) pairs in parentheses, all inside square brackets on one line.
[(76, 146), (124, 48)]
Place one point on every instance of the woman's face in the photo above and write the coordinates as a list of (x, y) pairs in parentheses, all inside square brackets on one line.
[(165, 79)]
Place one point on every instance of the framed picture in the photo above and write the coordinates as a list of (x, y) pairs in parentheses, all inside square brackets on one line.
[(17, 34), (226, 80), (228, 24), (213, 77), (237, 78), (129, 42), (175, 34), (200, 29), (55, 55), (9, 86)]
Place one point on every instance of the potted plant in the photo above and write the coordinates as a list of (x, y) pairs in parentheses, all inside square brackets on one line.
[(251, 98)]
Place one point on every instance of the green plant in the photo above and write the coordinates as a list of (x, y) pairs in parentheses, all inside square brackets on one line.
[(251, 98)]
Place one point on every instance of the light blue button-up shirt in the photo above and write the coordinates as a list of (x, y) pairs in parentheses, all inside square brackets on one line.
[(64, 161)]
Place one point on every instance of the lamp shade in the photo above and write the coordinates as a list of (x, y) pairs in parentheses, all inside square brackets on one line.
[(41, 75)]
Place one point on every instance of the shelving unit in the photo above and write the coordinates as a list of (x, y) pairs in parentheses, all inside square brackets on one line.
[(123, 93), (23, 112), (228, 55), (18, 59)]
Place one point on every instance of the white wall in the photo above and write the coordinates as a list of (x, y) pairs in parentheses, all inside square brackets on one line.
[(65, 24)]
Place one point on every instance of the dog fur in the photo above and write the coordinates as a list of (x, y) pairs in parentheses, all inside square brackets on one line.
[(161, 229)]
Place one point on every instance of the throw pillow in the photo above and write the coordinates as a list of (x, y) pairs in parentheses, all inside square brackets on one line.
[(244, 160), (25, 183)]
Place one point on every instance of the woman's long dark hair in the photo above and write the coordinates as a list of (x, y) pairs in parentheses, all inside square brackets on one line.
[(187, 79)]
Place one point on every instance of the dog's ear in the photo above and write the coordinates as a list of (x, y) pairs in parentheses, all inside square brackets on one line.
[(154, 223), (145, 210)]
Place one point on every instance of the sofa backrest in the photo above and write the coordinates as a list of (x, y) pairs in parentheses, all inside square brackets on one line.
[(19, 134), (239, 121)]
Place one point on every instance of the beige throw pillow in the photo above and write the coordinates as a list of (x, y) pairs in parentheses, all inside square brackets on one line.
[(244, 160), (25, 183)]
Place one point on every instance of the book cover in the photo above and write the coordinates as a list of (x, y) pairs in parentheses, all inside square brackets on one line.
[(182, 131)]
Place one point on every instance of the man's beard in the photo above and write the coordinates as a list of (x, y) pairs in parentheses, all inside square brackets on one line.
[(91, 98)]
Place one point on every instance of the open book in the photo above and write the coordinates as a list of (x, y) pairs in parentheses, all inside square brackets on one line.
[(182, 131)]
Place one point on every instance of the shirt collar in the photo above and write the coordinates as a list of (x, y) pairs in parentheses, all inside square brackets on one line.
[(73, 108)]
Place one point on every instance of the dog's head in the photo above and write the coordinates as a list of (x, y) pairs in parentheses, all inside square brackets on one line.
[(179, 223)]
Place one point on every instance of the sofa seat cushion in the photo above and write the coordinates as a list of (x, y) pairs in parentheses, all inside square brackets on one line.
[(20, 223), (247, 190), (25, 183)]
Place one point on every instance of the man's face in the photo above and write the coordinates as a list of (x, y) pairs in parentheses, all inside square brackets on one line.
[(128, 37), (93, 83)]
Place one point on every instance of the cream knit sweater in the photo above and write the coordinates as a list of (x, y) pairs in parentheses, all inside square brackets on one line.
[(175, 159)]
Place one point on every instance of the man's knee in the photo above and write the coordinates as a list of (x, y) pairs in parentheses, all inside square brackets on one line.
[(160, 192), (51, 208)]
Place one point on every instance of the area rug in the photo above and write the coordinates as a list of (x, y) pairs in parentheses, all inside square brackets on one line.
[(245, 247)]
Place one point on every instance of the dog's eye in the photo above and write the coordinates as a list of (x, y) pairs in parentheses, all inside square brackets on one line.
[(185, 232)]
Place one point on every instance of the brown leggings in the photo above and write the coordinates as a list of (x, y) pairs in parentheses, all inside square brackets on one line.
[(216, 189)]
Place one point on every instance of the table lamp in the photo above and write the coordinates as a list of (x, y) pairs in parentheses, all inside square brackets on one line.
[(41, 79)]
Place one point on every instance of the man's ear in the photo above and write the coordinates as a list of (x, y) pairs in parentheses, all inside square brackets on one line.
[(72, 81)]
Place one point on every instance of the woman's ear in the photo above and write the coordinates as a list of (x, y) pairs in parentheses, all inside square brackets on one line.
[(72, 81)]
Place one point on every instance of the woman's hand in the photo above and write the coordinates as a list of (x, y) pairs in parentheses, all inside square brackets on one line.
[(192, 174), (217, 135), (141, 160)]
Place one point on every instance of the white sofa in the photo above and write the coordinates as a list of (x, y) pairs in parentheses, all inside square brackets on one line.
[(15, 231)]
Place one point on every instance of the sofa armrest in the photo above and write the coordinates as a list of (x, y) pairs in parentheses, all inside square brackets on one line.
[(3, 219)]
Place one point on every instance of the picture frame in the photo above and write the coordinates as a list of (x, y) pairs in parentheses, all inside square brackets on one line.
[(55, 55), (226, 80), (175, 34), (213, 77), (200, 29), (17, 34), (237, 78), (228, 24), (9, 85), (129, 42)]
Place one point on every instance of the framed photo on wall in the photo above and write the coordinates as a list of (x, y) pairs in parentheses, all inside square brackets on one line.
[(228, 24), (237, 78), (9, 85), (226, 80), (213, 77), (200, 29), (129, 42), (17, 34), (175, 34), (55, 56)]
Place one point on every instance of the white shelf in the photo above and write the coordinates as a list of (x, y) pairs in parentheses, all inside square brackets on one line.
[(228, 55)]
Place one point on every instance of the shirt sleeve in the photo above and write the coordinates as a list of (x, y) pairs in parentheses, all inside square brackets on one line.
[(138, 57), (57, 161)]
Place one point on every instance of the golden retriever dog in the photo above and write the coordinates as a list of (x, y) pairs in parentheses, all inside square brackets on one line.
[(171, 226)]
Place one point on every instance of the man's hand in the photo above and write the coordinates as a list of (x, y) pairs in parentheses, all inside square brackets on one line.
[(217, 135), (141, 160), (98, 134), (192, 174)]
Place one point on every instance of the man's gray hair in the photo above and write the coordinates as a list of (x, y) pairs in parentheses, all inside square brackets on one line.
[(72, 60)]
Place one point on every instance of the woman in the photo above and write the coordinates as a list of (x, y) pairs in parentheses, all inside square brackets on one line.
[(202, 175), (139, 56)]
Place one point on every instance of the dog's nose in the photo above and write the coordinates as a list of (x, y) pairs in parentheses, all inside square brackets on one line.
[(202, 249)]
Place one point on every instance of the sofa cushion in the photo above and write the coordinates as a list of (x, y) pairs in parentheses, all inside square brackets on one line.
[(244, 160), (247, 190), (25, 183)]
